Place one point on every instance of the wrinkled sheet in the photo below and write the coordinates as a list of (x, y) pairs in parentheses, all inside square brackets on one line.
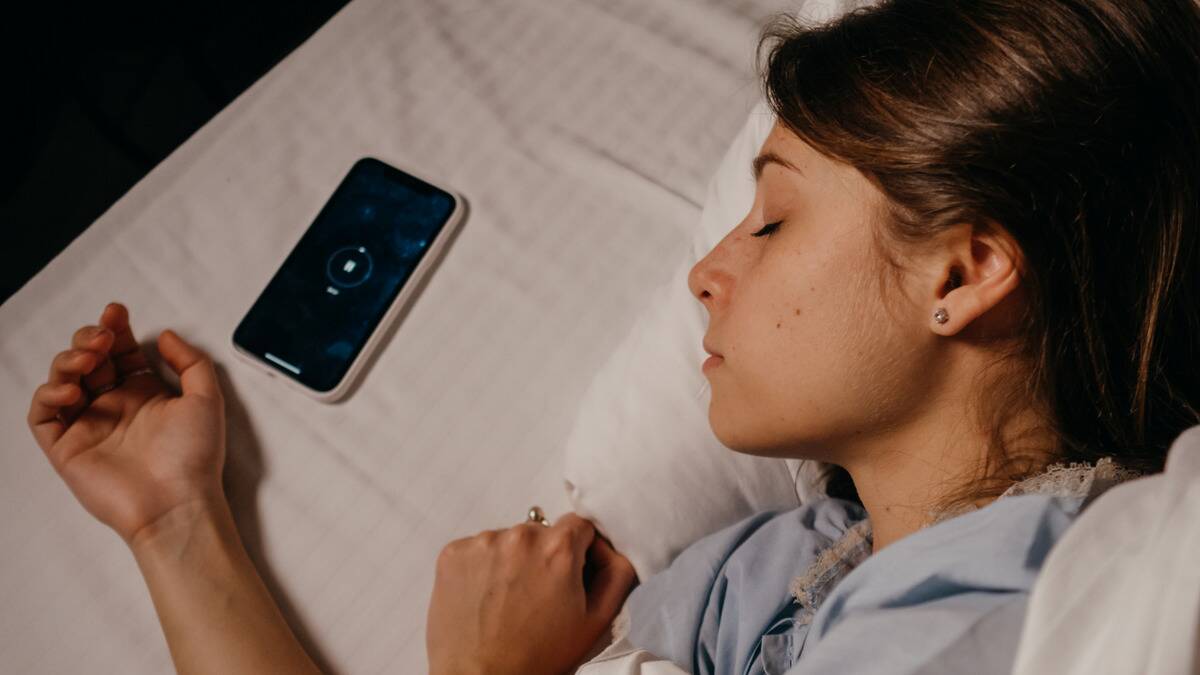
[(582, 134)]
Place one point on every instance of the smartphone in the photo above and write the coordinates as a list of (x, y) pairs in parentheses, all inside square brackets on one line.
[(348, 277)]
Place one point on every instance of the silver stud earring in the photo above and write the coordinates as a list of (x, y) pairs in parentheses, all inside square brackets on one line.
[(940, 315)]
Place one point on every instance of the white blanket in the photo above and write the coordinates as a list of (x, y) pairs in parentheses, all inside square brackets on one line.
[(583, 135), (1120, 592)]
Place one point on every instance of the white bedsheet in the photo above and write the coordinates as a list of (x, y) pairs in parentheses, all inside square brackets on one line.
[(582, 134)]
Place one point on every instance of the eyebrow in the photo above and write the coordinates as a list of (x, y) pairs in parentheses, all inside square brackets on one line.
[(766, 158)]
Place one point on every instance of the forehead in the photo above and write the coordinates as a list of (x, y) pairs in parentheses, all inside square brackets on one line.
[(832, 188), (785, 145), (811, 167)]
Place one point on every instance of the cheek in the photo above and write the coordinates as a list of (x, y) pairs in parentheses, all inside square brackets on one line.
[(785, 327), (807, 352), (778, 367), (803, 313), (804, 343)]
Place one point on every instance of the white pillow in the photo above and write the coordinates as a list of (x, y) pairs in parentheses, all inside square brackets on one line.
[(642, 462)]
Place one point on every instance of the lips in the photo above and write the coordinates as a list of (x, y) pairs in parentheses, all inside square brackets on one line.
[(710, 350)]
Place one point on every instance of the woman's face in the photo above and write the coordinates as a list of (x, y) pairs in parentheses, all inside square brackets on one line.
[(813, 365)]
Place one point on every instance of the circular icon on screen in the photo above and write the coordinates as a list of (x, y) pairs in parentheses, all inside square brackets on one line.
[(349, 266)]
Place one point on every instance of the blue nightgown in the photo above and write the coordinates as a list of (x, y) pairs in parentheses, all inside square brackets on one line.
[(798, 591)]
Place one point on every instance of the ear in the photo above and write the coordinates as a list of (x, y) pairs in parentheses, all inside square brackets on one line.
[(977, 268)]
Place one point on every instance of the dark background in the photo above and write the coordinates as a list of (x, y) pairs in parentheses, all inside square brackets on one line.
[(96, 94)]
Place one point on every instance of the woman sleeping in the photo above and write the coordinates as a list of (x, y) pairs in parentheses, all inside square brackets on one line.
[(967, 282)]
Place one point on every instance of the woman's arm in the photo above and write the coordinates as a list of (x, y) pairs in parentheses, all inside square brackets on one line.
[(216, 613), (147, 462)]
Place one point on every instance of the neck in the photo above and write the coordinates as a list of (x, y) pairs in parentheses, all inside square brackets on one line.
[(899, 496), (906, 475), (899, 493)]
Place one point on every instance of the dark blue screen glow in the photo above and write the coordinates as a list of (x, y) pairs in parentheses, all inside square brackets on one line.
[(319, 309)]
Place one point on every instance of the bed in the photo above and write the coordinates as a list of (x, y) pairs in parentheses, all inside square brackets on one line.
[(581, 132)]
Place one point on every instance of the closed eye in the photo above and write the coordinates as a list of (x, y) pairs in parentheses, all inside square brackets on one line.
[(767, 229)]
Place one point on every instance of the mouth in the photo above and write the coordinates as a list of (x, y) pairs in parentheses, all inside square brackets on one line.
[(712, 362), (710, 350)]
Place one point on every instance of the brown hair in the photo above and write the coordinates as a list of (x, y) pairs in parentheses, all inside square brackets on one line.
[(1072, 125)]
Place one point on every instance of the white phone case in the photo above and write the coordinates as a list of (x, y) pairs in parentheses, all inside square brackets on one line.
[(395, 311)]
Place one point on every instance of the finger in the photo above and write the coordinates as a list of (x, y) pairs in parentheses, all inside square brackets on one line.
[(603, 554), (197, 375), (48, 401), (70, 367), (582, 533), (611, 583), (97, 338), (100, 340), (126, 353)]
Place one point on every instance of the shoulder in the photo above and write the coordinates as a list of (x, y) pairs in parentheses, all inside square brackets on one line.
[(808, 528), (954, 592), (998, 548), (736, 573)]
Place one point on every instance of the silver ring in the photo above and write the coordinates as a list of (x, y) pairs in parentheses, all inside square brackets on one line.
[(537, 516), (121, 380)]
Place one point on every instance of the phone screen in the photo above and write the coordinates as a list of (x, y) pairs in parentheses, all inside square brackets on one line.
[(335, 286)]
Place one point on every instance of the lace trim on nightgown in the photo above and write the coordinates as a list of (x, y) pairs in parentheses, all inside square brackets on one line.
[(1078, 479), (832, 564)]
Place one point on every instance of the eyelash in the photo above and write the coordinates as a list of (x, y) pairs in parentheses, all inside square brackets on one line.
[(767, 229)]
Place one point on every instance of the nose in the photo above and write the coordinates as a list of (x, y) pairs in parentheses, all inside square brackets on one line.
[(712, 279), (707, 283)]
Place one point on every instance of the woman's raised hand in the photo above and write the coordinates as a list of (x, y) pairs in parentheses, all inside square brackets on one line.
[(134, 453)]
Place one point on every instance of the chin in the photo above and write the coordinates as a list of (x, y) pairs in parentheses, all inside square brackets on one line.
[(735, 437), (737, 432)]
